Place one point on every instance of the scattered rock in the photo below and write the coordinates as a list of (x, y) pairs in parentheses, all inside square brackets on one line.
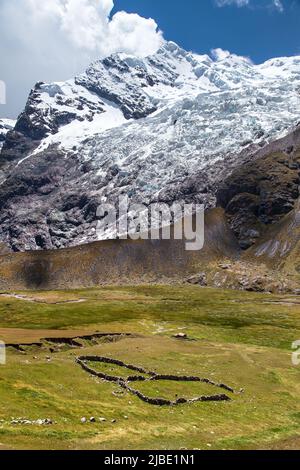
[(199, 279), (180, 336), (117, 393), (38, 422), (257, 284), (225, 266)]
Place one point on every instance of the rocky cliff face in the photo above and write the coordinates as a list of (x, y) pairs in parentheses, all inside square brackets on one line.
[(263, 190), (6, 125), (170, 127)]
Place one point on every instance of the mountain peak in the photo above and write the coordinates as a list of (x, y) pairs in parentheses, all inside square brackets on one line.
[(171, 47), (164, 127)]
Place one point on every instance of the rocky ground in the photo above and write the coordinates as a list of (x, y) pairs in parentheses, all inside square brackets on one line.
[(246, 276)]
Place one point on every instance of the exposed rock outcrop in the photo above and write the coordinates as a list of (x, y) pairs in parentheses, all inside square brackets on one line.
[(263, 190)]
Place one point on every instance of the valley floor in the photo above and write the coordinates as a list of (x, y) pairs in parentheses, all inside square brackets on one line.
[(241, 339)]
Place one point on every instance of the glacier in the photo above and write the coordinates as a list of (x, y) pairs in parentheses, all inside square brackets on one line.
[(166, 127)]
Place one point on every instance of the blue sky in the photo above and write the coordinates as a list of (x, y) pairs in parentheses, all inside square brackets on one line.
[(259, 29)]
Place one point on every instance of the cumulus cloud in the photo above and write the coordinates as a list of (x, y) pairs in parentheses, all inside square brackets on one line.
[(277, 4), (219, 54), (55, 39)]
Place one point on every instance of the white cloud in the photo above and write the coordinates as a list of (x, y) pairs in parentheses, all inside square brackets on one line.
[(85, 24), (55, 39), (277, 4), (239, 3), (219, 54)]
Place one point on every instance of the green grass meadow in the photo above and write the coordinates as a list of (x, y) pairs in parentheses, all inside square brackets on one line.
[(241, 339)]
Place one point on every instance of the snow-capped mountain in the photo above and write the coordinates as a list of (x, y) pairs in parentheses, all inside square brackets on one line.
[(166, 127), (5, 126)]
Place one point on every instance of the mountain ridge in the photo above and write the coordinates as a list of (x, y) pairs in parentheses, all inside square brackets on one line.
[(170, 127), (6, 125)]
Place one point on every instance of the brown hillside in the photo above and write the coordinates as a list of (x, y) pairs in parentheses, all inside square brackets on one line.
[(118, 261)]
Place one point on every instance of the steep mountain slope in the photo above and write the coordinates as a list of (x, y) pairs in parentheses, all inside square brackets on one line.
[(263, 190), (220, 264), (260, 212), (6, 125), (118, 261), (168, 127), (279, 248)]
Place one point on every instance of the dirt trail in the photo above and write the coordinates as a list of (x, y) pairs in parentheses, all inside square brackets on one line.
[(40, 301)]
